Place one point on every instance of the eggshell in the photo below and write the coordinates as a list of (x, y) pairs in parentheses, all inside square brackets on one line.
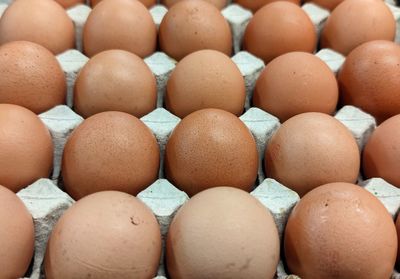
[(278, 28), (110, 151), (115, 80), (30, 76), (120, 24), (294, 83), (105, 235), (147, 3), (220, 4), (398, 237), (222, 233), (311, 149), (369, 79), (26, 148), (327, 4), (355, 22), (17, 235), (210, 148), (193, 25), (43, 22), (255, 5), (70, 3), (340, 230), (205, 79)]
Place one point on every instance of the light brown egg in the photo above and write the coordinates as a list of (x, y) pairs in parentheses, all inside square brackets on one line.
[(26, 148), (110, 151), (70, 3), (354, 22), (311, 149), (41, 21), (210, 148), (340, 230), (194, 25), (147, 3), (30, 76), (381, 156), (278, 28), (205, 79), (115, 80), (294, 83), (327, 4), (222, 233), (369, 79), (105, 235), (17, 235), (220, 4), (255, 5), (120, 24)]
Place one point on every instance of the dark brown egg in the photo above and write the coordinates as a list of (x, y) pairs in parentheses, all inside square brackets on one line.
[(110, 151), (17, 235), (340, 230), (26, 148), (30, 76), (222, 232), (311, 149), (41, 21), (70, 3), (120, 24), (255, 5), (381, 156), (369, 79), (327, 4), (355, 22), (105, 235), (210, 148), (147, 3), (115, 80), (205, 79), (194, 25), (294, 83), (289, 29), (220, 4)]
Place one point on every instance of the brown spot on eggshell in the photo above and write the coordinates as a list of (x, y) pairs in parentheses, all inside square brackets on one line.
[(255, 5)]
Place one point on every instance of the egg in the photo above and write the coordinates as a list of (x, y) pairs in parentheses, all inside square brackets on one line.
[(147, 3), (210, 148), (26, 148), (326, 4), (294, 83), (104, 235), (220, 4), (311, 149), (193, 25), (41, 21), (369, 79), (30, 76), (222, 232), (354, 22), (120, 24), (278, 28), (255, 5), (110, 151), (70, 3), (205, 79), (398, 237), (115, 80), (17, 236), (340, 230)]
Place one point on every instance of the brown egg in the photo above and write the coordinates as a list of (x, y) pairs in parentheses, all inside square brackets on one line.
[(210, 148), (110, 151), (120, 24), (294, 83), (340, 230), (115, 80), (327, 4), (255, 5), (194, 25), (205, 79), (355, 22), (289, 29), (398, 237), (26, 148), (105, 235), (30, 76), (220, 4), (369, 79), (70, 3), (311, 149), (222, 233), (147, 3), (41, 21)]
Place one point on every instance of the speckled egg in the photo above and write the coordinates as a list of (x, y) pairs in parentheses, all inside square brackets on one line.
[(255, 5), (70, 3), (340, 230), (110, 151), (220, 4)]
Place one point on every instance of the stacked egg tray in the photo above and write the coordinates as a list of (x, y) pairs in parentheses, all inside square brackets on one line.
[(46, 200)]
